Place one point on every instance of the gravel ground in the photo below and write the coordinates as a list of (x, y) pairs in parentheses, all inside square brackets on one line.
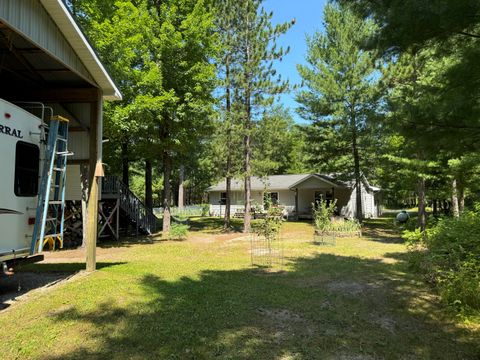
[(19, 286)]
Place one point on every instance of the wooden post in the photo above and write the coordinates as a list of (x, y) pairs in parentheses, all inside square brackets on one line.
[(96, 171), (181, 196), (296, 203)]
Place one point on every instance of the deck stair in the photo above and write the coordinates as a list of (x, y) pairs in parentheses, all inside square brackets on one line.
[(128, 204), (49, 218)]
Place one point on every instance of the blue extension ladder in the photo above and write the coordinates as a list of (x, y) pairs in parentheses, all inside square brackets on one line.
[(49, 218)]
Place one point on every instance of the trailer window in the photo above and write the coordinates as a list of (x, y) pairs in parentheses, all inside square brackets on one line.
[(27, 161)]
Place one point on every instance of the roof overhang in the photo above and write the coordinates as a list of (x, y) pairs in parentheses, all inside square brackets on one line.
[(77, 40)]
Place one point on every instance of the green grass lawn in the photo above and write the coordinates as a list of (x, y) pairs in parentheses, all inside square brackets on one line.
[(201, 299)]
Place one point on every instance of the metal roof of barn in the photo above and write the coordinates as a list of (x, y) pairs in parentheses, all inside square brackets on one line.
[(42, 47)]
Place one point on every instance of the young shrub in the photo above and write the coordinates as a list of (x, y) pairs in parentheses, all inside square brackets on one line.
[(322, 214), (205, 210), (269, 227), (178, 231)]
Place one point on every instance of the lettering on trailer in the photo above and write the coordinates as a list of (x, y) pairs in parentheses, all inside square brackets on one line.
[(7, 130)]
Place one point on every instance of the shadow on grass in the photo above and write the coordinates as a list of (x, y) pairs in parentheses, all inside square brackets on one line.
[(382, 229), (214, 224), (34, 276), (65, 267), (127, 241), (327, 306)]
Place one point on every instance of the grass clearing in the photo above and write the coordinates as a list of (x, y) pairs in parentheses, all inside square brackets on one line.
[(201, 299)]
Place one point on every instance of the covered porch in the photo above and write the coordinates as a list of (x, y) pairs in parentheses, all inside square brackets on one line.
[(313, 189)]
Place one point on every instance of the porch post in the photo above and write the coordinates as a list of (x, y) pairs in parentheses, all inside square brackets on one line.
[(296, 203), (95, 172)]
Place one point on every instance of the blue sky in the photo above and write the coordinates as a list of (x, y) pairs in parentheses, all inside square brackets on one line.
[(308, 15)]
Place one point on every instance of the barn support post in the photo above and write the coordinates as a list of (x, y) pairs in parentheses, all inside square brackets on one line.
[(96, 171)]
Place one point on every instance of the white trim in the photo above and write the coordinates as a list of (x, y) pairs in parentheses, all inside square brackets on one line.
[(77, 40), (310, 176)]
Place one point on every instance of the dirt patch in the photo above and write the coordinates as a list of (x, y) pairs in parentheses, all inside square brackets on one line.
[(352, 288), (283, 322), (312, 282), (385, 322), (282, 316), (239, 239)]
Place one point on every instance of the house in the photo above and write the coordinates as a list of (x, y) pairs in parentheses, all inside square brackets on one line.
[(48, 68), (297, 193)]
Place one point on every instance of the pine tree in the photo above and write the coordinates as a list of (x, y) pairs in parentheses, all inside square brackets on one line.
[(253, 76), (342, 93)]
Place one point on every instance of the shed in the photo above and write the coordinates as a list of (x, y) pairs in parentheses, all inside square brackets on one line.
[(46, 61)]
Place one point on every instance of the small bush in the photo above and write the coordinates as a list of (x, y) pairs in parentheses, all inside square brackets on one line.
[(322, 214), (205, 210), (178, 231), (448, 253)]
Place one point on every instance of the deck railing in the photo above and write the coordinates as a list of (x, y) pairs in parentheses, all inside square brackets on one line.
[(135, 209)]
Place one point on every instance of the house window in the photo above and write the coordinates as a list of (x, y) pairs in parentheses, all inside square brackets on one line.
[(27, 161), (318, 196), (271, 197), (223, 198)]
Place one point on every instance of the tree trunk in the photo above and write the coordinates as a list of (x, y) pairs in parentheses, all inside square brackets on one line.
[(358, 179), (461, 198), (455, 207), (248, 184), (148, 184), (167, 169), (125, 164), (247, 135), (422, 216), (181, 188), (435, 207), (228, 178)]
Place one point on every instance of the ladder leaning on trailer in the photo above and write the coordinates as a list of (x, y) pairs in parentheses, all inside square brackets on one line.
[(49, 219)]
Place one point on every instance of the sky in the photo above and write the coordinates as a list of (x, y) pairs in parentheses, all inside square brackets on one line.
[(308, 15)]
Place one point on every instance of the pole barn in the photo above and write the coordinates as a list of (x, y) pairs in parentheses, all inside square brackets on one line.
[(46, 62)]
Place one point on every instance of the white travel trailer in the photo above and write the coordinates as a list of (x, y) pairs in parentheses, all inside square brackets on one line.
[(20, 151)]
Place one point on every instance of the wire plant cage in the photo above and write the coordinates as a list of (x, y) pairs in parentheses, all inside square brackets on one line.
[(327, 238), (267, 251)]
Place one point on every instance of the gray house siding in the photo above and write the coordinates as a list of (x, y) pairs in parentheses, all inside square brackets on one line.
[(306, 190)]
